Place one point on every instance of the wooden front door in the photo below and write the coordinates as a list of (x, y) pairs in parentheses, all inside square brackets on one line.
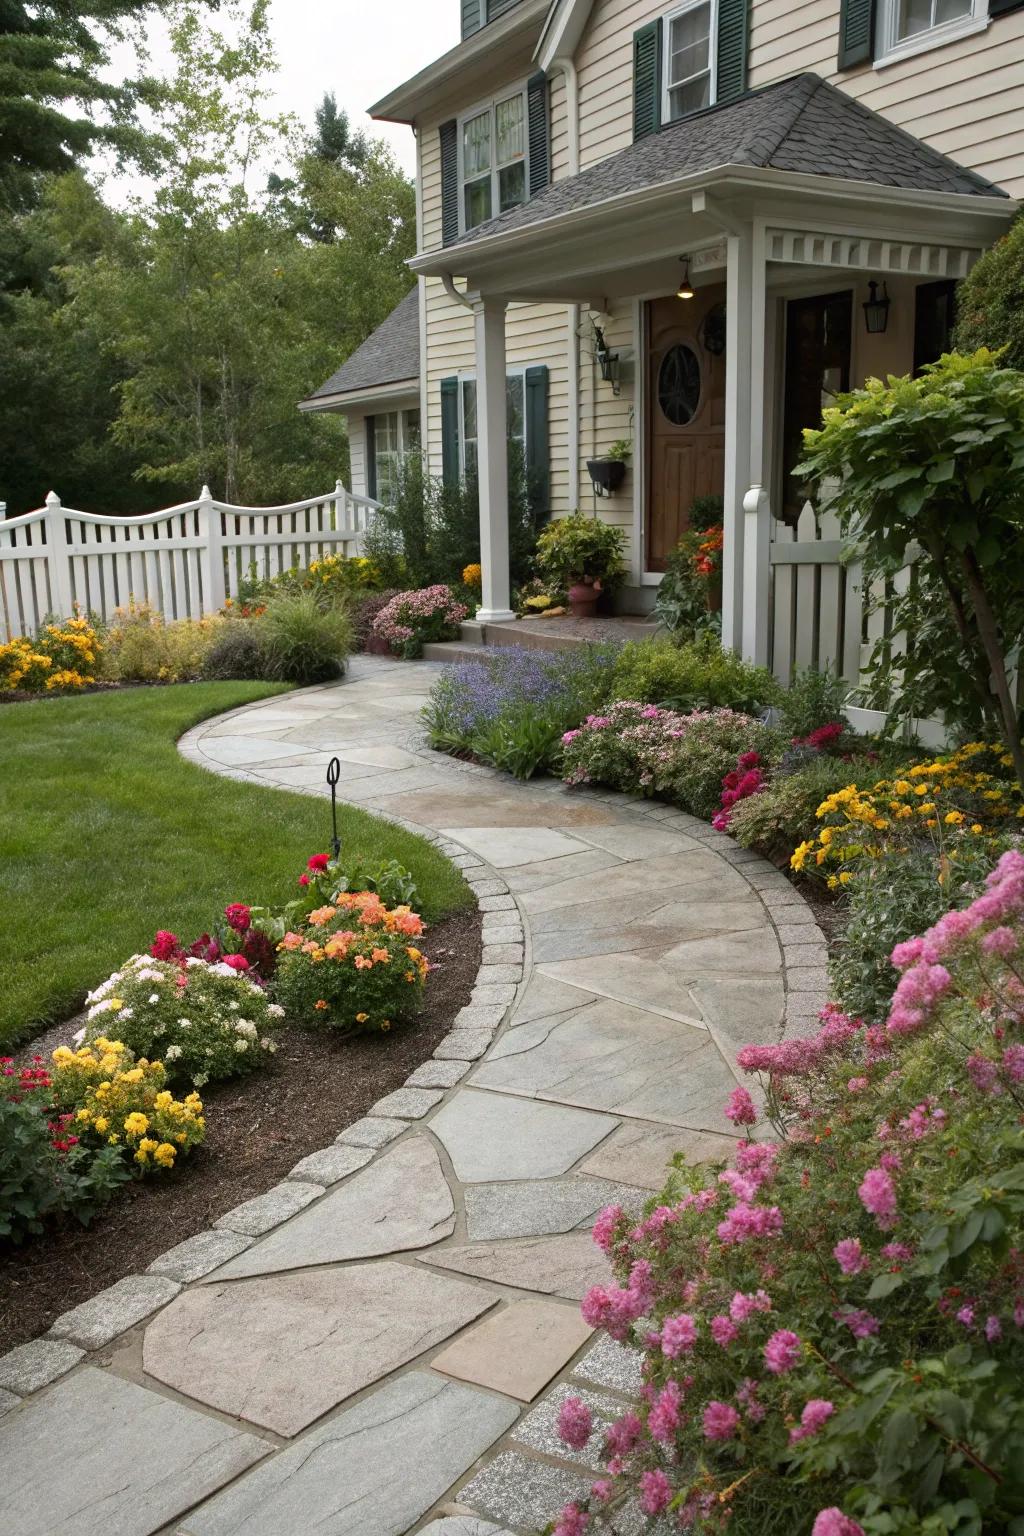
[(685, 413)]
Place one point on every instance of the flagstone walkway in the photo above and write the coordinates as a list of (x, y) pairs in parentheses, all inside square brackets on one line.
[(380, 1344)]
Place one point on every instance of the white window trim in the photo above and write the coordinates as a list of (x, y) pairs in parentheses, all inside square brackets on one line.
[(403, 448), (517, 88), (666, 33), (470, 378), (888, 50)]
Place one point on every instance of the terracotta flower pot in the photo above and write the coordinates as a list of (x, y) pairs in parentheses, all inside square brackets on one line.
[(583, 597)]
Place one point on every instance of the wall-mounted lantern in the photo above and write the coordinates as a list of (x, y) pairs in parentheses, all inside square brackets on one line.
[(607, 360), (876, 310)]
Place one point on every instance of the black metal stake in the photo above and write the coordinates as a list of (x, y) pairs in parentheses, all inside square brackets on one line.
[(333, 775)]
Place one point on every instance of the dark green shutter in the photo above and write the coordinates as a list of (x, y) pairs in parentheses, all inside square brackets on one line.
[(371, 457), (496, 8), (733, 25), (856, 32), (539, 137), (647, 80), (450, 471), (538, 447), (472, 16), (1004, 7), (449, 134)]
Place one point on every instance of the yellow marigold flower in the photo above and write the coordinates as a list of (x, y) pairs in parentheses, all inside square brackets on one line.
[(800, 854), (100, 1125), (953, 818), (920, 789), (136, 1124), (83, 1116), (165, 1154), (845, 877), (361, 1018), (977, 827), (163, 1099)]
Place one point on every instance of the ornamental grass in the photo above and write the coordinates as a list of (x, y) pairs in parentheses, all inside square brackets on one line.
[(832, 1326)]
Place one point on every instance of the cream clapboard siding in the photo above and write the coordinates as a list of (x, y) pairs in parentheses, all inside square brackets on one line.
[(604, 418), (965, 98), (357, 453), (535, 334)]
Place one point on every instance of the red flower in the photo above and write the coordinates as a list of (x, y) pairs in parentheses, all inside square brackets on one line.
[(236, 962), (303, 879), (238, 916), (165, 945), (205, 948), (318, 862)]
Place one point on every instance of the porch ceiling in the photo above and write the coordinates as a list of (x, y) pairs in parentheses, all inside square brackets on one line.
[(628, 246)]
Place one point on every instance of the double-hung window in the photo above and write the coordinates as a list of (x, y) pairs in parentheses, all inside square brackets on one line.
[(515, 417), (907, 26), (689, 59), (494, 152), (394, 434)]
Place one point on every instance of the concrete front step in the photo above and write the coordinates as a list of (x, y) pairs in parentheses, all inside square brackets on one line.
[(452, 650)]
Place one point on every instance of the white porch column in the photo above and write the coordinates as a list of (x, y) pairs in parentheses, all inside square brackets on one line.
[(745, 570), (492, 459)]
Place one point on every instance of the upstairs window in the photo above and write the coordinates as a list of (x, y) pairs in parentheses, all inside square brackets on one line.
[(689, 55), (494, 160), (908, 26)]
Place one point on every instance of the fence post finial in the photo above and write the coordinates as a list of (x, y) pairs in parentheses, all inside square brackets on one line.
[(212, 554), (58, 558), (204, 494)]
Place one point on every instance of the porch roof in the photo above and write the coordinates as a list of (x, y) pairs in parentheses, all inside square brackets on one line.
[(389, 356), (796, 134)]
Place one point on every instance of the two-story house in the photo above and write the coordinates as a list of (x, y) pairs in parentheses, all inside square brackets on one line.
[(686, 224)]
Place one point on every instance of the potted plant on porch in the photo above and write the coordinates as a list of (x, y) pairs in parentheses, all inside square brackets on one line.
[(583, 556), (608, 472)]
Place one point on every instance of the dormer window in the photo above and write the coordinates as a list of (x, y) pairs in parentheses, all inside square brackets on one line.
[(493, 150), (689, 54)]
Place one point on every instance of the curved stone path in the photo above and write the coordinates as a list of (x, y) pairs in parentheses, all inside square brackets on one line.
[(380, 1344)]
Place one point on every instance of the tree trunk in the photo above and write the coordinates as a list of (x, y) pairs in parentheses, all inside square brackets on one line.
[(969, 634), (988, 630)]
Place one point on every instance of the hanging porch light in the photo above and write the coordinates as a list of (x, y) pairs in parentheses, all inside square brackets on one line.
[(685, 289)]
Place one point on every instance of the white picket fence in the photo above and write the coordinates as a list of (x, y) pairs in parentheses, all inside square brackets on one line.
[(184, 561)]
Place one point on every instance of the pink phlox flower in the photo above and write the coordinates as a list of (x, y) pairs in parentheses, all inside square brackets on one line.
[(573, 1521), (721, 1421), (603, 1231), (724, 1331), (741, 1187), (782, 1351), (575, 1423), (757, 1160), (965, 1316), (860, 1323), (655, 1491), (663, 1418), (849, 1255), (747, 1398), (746, 1221), (744, 1305), (983, 1073), (857, 1084), (817, 1412), (622, 1436), (832, 1522), (878, 1196), (740, 1108), (1013, 1063), (602, 1490), (891, 1162), (1001, 941), (898, 1252), (993, 1329), (678, 1335), (922, 1118)]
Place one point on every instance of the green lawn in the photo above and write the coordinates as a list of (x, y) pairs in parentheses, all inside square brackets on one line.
[(107, 834)]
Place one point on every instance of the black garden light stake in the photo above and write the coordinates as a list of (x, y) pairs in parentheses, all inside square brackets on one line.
[(333, 775)]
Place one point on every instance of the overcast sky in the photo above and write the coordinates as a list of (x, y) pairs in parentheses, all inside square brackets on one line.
[(359, 49)]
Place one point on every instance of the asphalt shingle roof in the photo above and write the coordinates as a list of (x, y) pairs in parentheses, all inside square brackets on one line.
[(802, 124), (389, 355)]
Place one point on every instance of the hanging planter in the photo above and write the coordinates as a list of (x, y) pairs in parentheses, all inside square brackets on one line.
[(607, 474)]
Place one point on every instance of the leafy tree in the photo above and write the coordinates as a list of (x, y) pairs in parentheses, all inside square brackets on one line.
[(990, 300), (51, 55), (940, 460)]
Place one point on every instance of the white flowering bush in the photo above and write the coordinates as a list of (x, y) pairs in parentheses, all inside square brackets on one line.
[(203, 1021)]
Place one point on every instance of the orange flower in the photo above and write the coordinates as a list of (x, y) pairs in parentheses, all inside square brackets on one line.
[(381, 956), (321, 916), (291, 941), (361, 1018), (320, 1004), (363, 964)]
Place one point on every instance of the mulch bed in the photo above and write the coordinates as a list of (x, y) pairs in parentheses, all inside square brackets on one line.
[(257, 1129)]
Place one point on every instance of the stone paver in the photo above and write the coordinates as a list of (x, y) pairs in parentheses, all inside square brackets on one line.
[(95, 1322), (198, 1255), (103, 1457), (517, 1350), (401, 1201), (378, 1467), (281, 1350), (628, 950), (539, 1429), (494, 1136), (34, 1365)]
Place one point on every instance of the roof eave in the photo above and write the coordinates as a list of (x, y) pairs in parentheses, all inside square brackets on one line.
[(731, 177), (562, 32), (350, 399), (412, 97)]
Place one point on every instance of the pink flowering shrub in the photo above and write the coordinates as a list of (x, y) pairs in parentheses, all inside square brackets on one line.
[(832, 1326), (412, 619), (650, 750)]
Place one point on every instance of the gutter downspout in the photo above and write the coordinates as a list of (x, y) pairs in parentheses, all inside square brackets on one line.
[(572, 112)]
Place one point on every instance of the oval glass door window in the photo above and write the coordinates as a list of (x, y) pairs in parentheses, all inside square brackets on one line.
[(679, 384)]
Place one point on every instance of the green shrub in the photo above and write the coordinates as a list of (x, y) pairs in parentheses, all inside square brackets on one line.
[(302, 641), (237, 651), (693, 769), (775, 820), (812, 699), (989, 307), (363, 608), (889, 902), (139, 646), (581, 548), (696, 676)]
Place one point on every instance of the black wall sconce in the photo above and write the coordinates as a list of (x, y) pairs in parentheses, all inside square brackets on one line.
[(607, 361), (876, 310)]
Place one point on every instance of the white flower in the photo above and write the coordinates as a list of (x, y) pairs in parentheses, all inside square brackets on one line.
[(172, 1053), (268, 1045), (241, 1045), (126, 1014), (78, 1036), (193, 961), (233, 1007), (276, 1011), (154, 997), (247, 1028), (185, 1023)]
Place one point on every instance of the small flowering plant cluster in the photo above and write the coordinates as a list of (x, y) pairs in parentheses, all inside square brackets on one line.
[(412, 619), (203, 1021), (352, 964), (966, 795), (237, 941), (61, 658), (746, 779), (833, 1325), (117, 1101), (683, 757)]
